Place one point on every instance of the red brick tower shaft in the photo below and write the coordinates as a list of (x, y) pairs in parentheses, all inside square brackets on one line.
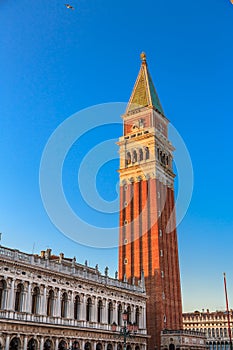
[(148, 239)]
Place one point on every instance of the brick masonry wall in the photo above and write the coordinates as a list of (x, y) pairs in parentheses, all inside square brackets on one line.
[(155, 253)]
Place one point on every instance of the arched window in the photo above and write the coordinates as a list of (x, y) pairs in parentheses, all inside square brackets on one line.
[(75, 345), (160, 159), (62, 345), (64, 305), (32, 344), (19, 297), (221, 332), (99, 311), (50, 303), (129, 313), (88, 309), (110, 312), (2, 294), (147, 153), (134, 157), (119, 315), (48, 345), (109, 347), (15, 344), (137, 313), (128, 158), (140, 155), (87, 346), (35, 300), (77, 307), (99, 346)]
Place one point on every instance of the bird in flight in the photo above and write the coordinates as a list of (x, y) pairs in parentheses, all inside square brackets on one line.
[(69, 6)]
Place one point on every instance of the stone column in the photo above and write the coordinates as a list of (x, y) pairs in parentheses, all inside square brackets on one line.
[(25, 343), (7, 342), (143, 317), (94, 310), (42, 343), (69, 305), (133, 318), (58, 304), (114, 316), (105, 311), (44, 302), (56, 344), (24, 299), (29, 298), (12, 295), (6, 296), (83, 308), (82, 342), (71, 313)]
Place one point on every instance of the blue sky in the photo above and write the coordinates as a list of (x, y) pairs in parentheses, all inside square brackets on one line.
[(55, 62)]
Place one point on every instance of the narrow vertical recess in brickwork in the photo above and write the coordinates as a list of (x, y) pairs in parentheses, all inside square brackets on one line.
[(149, 228), (171, 232), (154, 226), (170, 265), (163, 265), (132, 230), (151, 279), (128, 231), (178, 289), (137, 271), (144, 217), (122, 233), (140, 225)]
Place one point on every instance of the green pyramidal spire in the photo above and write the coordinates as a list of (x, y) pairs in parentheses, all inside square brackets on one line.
[(144, 93)]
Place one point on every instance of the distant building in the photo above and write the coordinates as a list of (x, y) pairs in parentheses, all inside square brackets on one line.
[(49, 302), (182, 340), (213, 324)]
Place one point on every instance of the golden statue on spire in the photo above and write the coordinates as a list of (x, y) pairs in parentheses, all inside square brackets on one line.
[(143, 57)]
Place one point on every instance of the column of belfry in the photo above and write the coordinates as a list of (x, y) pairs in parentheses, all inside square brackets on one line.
[(147, 238)]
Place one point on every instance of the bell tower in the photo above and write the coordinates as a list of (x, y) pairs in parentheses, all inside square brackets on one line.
[(147, 237)]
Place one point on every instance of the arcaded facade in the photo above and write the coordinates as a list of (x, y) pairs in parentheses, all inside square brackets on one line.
[(213, 324), (51, 302)]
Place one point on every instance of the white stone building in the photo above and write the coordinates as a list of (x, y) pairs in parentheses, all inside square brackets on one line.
[(214, 324), (51, 302)]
